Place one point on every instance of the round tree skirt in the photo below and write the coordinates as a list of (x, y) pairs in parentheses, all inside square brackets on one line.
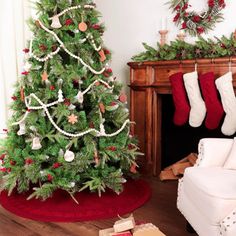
[(61, 207)]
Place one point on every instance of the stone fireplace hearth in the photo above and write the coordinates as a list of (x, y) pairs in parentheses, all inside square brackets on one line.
[(151, 95)]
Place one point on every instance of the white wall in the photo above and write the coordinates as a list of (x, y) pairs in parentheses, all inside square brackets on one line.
[(131, 22)]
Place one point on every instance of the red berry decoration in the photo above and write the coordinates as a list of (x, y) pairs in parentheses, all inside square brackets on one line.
[(113, 104), (42, 47), (50, 177), (96, 26), (14, 98), (109, 70), (52, 87), (176, 17), (196, 19), (67, 102), (107, 52), (2, 156), (200, 30), (222, 46), (193, 23), (211, 3), (12, 163), (25, 73), (8, 170), (56, 165), (29, 161), (184, 25), (69, 22), (76, 83), (112, 148), (4, 170), (26, 50), (91, 125)]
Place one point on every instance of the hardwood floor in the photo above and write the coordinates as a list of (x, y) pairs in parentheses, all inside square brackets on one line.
[(160, 210)]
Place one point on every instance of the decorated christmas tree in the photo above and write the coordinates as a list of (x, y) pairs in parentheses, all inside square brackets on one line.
[(70, 127)]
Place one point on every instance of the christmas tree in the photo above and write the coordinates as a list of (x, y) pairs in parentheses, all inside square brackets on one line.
[(70, 128)]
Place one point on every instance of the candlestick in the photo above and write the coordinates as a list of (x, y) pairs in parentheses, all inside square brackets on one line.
[(163, 34)]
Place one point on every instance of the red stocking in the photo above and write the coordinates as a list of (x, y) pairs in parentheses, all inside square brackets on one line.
[(214, 107), (181, 103)]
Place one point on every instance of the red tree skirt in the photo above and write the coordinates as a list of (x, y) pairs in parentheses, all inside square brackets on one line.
[(61, 207)]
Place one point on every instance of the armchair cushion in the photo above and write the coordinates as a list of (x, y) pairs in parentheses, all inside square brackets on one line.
[(231, 159), (213, 151), (212, 190)]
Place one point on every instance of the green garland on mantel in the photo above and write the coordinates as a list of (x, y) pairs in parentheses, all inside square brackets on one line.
[(180, 50)]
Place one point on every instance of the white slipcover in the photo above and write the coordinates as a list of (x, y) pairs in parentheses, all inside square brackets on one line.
[(207, 192)]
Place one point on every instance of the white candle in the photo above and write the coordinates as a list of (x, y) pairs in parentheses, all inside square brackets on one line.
[(163, 24)]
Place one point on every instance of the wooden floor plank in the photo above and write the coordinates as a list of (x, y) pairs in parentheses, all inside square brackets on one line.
[(160, 210)]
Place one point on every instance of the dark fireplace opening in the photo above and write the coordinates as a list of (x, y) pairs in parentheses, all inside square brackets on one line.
[(179, 141)]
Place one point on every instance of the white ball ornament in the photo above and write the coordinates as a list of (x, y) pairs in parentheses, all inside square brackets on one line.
[(69, 156)]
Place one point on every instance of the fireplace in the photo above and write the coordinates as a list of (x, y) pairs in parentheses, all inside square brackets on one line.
[(152, 110), (179, 141)]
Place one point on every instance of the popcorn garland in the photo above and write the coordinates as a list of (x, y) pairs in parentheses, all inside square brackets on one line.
[(101, 133), (73, 8), (80, 94), (50, 55)]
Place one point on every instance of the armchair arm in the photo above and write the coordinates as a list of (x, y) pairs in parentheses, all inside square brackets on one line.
[(228, 224), (213, 151)]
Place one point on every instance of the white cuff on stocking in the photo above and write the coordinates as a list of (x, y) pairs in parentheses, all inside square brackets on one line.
[(225, 86), (198, 107)]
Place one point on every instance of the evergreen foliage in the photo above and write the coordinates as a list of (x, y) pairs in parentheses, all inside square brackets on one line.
[(100, 162), (180, 50)]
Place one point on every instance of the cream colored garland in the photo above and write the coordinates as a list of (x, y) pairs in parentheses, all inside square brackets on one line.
[(73, 8), (63, 46), (101, 133)]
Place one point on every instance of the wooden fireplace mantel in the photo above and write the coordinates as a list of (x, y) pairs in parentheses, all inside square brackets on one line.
[(150, 80)]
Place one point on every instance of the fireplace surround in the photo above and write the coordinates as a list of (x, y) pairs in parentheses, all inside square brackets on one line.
[(149, 81)]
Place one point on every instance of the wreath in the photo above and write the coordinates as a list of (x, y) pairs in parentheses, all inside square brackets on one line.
[(194, 23)]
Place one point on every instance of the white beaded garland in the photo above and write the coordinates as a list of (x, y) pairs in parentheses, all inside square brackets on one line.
[(101, 133), (65, 49), (73, 8)]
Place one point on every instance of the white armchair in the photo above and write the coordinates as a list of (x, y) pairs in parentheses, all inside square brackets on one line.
[(207, 192)]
